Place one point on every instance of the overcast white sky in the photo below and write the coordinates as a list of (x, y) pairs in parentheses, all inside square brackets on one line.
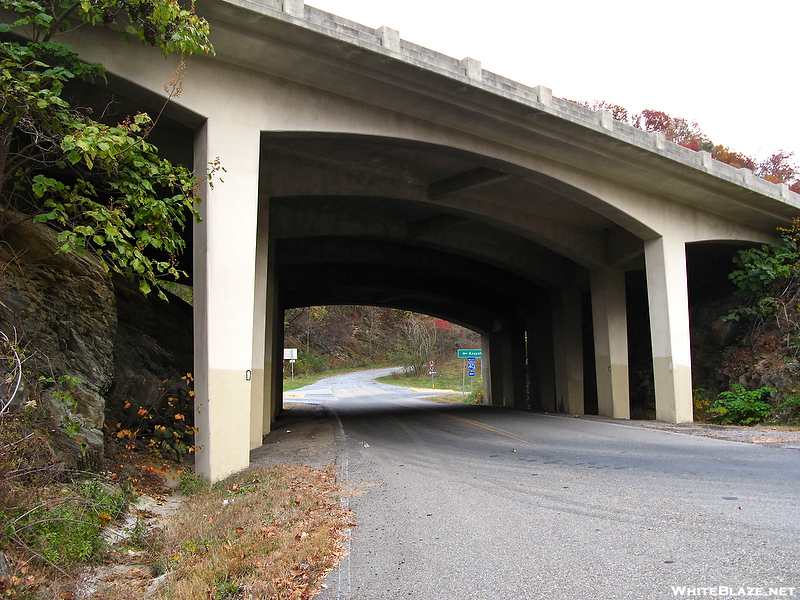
[(730, 65)]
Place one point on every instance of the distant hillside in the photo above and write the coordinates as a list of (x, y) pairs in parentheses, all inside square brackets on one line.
[(330, 337)]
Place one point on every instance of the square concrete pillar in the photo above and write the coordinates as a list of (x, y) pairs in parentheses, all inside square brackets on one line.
[(472, 68), (610, 326), (513, 365), (224, 289), (668, 299), (541, 356), (486, 370), (494, 361), (261, 390), (273, 362), (568, 350)]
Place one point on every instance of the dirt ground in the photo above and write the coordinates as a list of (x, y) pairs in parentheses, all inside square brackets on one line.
[(305, 434), (771, 435)]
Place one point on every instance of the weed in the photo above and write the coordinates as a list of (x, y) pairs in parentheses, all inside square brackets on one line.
[(64, 526), (49, 516), (791, 408), (165, 429), (476, 397), (742, 407), (139, 534), (701, 403), (191, 483), (226, 589)]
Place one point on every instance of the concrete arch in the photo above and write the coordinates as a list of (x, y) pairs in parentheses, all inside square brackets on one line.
[(458, 187)]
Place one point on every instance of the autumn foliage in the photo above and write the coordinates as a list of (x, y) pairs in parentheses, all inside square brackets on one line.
[(780, 167)]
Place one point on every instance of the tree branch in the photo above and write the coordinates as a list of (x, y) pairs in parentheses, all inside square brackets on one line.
[(59, 20)]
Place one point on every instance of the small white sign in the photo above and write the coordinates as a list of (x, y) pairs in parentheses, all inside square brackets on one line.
[(290, 354)]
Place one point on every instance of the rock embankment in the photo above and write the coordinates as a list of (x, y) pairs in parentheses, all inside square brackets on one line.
[(72, 321)]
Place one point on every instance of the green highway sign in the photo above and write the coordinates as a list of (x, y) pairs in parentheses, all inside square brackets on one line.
[(470, 353)]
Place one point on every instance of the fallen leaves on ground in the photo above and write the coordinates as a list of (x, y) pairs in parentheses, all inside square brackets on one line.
[(266, 533)]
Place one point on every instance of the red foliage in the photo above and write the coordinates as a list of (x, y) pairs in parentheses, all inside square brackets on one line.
[(692, 144), (442, 324), (655, 120)]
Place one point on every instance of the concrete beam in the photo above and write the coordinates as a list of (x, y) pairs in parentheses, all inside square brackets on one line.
[(433, 224), (623, 247), (466, 181)]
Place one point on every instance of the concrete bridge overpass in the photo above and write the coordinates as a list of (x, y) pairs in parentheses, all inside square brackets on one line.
[(361, 168)]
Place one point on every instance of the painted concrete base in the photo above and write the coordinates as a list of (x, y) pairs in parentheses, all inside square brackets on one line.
[(257, 408), (613, 399), (673, 391), (224, 440)]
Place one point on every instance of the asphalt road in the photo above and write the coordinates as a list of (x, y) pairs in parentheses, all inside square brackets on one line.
[(461, 502)]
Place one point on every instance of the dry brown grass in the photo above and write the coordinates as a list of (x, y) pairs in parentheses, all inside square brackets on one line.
[(266, 533)]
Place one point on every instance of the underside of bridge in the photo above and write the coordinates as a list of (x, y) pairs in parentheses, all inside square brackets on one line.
[(509, 253), (387, 222)]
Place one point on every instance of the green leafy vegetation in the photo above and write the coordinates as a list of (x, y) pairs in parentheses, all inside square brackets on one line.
[(101, 185), (791, 409), (192, 483), (165, 429), (767, 280), (49, 515), (766, 326), (742, 407)]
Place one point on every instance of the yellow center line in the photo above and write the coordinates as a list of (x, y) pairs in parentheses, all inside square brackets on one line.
[(513, 436)]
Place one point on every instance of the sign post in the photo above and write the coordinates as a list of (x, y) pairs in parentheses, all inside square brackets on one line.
[(463, 379), (471, 372), (290, 354), (431, 372), (469, 355)]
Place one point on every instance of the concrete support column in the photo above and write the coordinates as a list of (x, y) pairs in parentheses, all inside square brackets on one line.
[(495, 363), (514, 359), (568, 349), (503, 364), (224, 288), (486, 369), (273, 361), (260, 398), (669, 328), (541, 357), (610, 326), (267, 335)]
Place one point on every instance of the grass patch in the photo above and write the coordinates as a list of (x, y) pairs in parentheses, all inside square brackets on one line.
[(52, 519), (449, 377), (303, 380), (266, 533)]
